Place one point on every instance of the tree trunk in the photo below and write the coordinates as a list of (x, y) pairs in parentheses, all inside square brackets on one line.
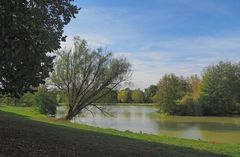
[(69, 115)]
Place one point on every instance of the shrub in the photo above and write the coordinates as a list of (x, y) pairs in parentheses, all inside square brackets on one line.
[(46, 104), (188, 106), (45, 101), (27, 99), (137, 96), (6, 100)]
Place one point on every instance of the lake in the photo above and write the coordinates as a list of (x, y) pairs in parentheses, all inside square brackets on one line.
[(145, 119)]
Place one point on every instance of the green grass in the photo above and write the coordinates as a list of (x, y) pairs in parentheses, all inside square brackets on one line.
[(24, 130)]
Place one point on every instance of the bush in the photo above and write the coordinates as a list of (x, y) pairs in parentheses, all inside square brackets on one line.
[(7, 100), (27, 99), (137, 96), (124, 96), (188, 106), (45, 101), (46, 104)]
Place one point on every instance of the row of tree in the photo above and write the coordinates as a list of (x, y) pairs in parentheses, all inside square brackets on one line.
[(128, 95), (217, 93), (137, 96)]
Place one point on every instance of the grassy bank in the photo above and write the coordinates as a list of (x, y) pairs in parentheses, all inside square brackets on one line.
[(25, 131)]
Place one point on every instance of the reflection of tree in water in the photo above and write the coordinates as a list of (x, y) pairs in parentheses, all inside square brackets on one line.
[(210, 131), (205, 126), (126, 115), (179, 130)]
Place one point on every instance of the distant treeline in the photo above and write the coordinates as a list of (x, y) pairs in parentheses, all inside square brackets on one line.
[(217, 92), (128, 95)]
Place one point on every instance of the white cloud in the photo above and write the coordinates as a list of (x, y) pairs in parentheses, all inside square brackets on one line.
[(93, 41), (206, 43), (182, 57)]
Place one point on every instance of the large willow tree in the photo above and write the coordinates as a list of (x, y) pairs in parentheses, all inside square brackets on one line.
[(87, 75)]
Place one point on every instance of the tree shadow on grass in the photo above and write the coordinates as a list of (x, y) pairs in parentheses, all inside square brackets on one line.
[(21, 136)]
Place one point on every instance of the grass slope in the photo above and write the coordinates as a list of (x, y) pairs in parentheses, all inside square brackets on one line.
[(25, 132)]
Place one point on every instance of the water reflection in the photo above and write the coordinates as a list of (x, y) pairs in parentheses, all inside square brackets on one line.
[(146, 119)]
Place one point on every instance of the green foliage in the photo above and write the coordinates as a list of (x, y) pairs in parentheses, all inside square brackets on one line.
[(124, 96), (29, 29), (87, 75), (188, 106), (28, 99), (220, 88), (217, 94), (137, 96), (170, 89), (111, 97), (46, 104), (5, 100), (195, 86), (150, 92), (62, 97), (45, 101)]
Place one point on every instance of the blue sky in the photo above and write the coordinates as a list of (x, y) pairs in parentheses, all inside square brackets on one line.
[(161, 36)]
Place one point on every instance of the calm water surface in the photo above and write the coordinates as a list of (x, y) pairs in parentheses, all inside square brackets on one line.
[(146, 119)]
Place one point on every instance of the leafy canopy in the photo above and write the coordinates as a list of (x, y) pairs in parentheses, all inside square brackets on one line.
[(124, 96), (170, 89), (29, 29), (87, 75), (137, 96), (150, 92), (220, 88)]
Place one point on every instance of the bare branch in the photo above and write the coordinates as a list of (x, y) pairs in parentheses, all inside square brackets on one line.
[(102, 110), (90, 112)]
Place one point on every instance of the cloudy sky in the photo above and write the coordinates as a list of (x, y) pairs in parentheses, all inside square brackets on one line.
[(161, 36)]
